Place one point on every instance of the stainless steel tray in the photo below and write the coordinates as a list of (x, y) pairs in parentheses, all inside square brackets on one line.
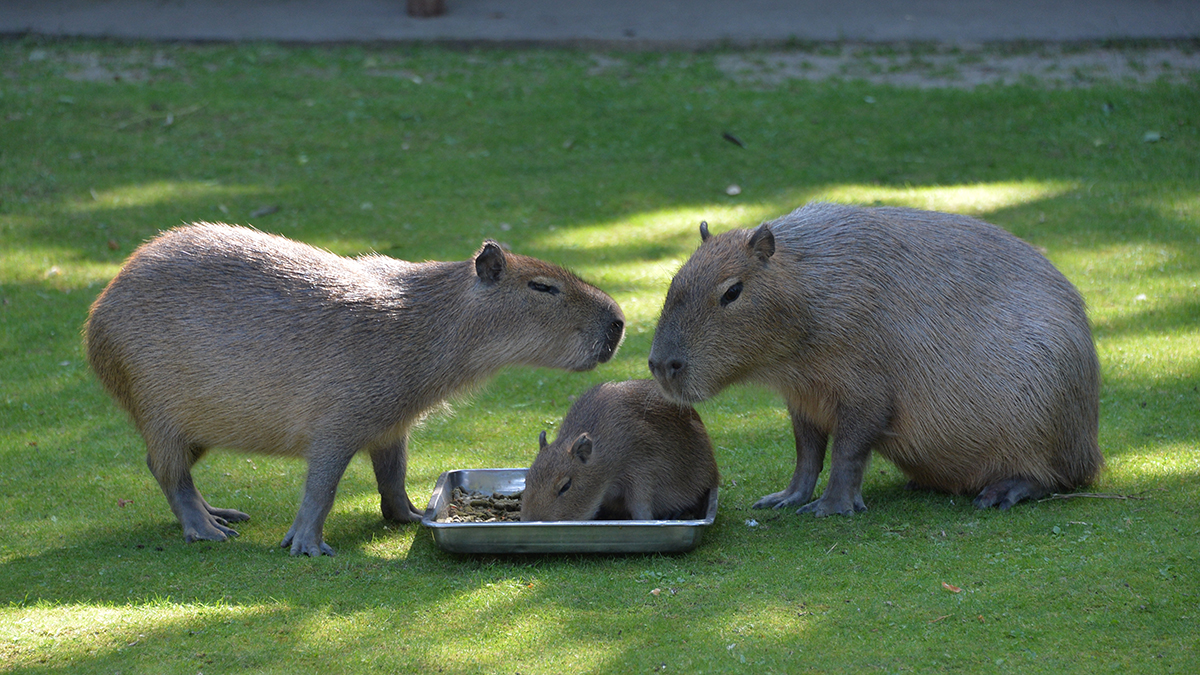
[(592, 536)]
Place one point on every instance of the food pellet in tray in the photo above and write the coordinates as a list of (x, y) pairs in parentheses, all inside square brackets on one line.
[(476, 507)]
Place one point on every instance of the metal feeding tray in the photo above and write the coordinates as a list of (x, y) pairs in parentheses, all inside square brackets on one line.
[(590, 536)]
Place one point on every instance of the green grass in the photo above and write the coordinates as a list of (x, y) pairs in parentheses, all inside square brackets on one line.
[(606, 166)]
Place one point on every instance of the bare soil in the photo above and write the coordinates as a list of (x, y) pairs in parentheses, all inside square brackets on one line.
[(1054, 66)]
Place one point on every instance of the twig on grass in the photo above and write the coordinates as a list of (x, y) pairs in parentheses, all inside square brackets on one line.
[(1095, 495), (168, 118)]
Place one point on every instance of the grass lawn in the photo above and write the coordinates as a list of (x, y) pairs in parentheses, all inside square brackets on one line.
[(606, 164)]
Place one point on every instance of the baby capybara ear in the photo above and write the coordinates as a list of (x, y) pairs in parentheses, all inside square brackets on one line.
[(582, 448)]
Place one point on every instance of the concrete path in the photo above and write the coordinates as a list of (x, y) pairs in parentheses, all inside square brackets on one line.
[(625, 24)]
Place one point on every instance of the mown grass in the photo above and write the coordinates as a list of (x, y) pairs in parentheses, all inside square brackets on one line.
[(604, 164)]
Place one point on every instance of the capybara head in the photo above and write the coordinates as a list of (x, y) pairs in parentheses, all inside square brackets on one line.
[(721, 311), (580, 326), (565, 482)]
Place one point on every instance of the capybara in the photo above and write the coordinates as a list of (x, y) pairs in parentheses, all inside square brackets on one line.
[(951, 347), (220, 336), (623, 451)]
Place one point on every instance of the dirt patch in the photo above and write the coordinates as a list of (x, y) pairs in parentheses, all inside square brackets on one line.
[(966, 68), (132, 66)]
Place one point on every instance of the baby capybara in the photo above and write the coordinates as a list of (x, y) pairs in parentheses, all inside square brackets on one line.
[(221, 336), (623, 451), (951, 347)]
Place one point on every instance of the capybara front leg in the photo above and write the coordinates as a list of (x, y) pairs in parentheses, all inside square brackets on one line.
[(325, 469), (1008, 492), (810, 458), (391, 467), (851, 452)]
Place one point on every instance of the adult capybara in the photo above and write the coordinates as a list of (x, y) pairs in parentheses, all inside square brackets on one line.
[(623, 451), (951, 347), (221, 336)]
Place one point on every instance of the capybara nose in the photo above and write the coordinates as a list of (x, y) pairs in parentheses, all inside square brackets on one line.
[(612, 339), (667, 371)]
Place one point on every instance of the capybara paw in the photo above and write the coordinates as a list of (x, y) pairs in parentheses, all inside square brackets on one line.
[(227, 515), (1008, 492), (309, 546), (210, 530), (828, 507), (405, 513), (779, 500)]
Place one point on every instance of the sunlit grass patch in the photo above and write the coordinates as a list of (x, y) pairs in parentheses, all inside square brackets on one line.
[(158, 192), (61, 635), (605, 164), (1145, 464), (973, 199)]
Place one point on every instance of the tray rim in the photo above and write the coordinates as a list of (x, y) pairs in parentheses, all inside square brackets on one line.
[(696, 525)]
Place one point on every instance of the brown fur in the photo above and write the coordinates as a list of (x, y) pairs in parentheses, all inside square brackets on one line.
[(623, 451), (949, 346), (220, 336)]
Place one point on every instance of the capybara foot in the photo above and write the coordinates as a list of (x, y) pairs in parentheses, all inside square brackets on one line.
[(226, 515), (405, 513), (1008, 492), (205, 526), (309, 546), (781, 499), (828, 506)]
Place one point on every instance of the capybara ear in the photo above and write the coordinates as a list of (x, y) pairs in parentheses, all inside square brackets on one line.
[(704, 234), (542, 441), (582, 448), (489, 262), (762, 242)]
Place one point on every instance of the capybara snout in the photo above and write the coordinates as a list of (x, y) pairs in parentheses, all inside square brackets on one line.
[(219, 336), (612, 339)]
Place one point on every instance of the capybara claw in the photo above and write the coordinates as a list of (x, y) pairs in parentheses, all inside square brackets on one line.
[(312, 549), (827, 507), (778, 500), (218, 532)]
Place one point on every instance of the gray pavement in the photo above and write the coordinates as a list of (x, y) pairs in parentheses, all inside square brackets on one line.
[(621, 24)]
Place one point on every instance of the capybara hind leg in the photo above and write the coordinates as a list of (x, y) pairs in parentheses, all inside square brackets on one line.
[(391, 467), (325, 469), (170, 462), (851, 451), (199, 523), (1008, 492), (810, 458)]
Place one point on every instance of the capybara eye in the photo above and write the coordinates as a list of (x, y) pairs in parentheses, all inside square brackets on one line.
[(544, 288), (566, 486), (731, 294)]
